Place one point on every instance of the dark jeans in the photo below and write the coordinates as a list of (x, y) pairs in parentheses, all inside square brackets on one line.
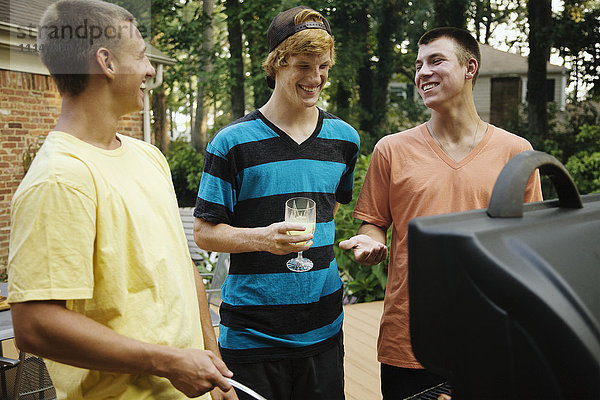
[(399, 383), (320, 377)]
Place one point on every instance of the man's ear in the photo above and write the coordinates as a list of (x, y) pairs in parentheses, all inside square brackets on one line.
[(472, 66), (106, 62)]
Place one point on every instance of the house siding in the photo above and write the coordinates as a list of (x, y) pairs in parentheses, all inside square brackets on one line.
[(482, 96), (29, 109)]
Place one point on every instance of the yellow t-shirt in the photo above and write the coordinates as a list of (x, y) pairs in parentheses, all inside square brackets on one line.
[(411, 176), (101, 229)]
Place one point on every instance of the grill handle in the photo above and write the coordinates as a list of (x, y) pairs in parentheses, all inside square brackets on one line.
[(507, 196)]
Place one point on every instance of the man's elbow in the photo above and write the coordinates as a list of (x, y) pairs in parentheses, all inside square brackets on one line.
[(25, 329), (201, 236), (30, 324)]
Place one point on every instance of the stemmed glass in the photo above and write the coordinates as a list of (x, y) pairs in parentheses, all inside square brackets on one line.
[(303, 211)]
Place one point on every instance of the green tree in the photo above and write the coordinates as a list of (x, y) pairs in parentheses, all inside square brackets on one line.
[(540, 28), (487, 15), (236, 63), (584, 165), (199, 132), (186, 169), (256, 16), (577, 36), (450, 13)]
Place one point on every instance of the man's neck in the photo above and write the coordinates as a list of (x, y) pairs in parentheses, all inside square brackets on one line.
[(85, 118), (297, 124), (453, 122)]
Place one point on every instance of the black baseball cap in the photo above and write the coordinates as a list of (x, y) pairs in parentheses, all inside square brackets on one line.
[(283, 27)]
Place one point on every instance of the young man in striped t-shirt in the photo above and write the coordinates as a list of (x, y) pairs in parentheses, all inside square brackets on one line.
[(280, 330)]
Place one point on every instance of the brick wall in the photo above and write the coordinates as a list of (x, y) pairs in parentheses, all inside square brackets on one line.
[(29, 109)]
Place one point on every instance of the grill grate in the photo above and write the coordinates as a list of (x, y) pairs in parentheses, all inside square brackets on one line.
[(431, 393)]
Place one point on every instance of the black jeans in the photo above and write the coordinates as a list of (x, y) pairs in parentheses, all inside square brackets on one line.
[(320, 377), (399, 383)]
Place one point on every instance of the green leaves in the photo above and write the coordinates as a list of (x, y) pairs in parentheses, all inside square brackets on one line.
[(186, 169), (584, 166)]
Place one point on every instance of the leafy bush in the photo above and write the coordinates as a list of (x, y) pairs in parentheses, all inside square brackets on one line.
[(186, 169), (584, 165), (573, 139)]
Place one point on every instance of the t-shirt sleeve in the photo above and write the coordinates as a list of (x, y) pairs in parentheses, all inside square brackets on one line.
[(52, 244), (373, 205), (216, 194), (343, 193)]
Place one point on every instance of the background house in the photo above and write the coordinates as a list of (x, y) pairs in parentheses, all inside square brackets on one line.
[(501, 86), (30, 102)]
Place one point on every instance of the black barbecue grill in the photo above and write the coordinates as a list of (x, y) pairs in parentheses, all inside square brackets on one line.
[(505, 302)]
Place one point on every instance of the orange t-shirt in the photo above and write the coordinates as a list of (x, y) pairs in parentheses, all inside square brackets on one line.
[(411, 176)]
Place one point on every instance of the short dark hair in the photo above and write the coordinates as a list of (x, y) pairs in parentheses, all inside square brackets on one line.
[(466, 46), (70, 34)]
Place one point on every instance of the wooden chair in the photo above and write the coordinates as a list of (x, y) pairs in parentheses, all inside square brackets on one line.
[(214, 291), (198, 255), (218, 264)]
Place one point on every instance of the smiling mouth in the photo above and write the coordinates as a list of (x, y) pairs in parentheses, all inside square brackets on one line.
[(309, 89), (429, 86)]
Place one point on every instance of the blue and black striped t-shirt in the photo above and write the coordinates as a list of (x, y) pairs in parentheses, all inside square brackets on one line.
[(251, 168)]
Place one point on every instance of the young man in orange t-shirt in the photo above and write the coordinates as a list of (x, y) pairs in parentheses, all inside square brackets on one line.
[(448, 164)]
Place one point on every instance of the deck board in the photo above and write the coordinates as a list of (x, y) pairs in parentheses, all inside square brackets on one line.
[(361, 368)]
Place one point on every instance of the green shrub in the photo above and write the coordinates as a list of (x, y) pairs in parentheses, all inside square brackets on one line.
[(186, 169), (584, 166)]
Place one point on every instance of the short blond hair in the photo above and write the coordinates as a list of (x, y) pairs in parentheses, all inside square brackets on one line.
[(308, 41)]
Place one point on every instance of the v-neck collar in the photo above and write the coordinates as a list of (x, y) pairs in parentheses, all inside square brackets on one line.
[(449, 160), (287, 139)]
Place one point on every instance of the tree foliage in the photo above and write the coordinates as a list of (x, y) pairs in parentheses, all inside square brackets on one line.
[(185, 164), (584, 165), (540, 17), (577, 36)]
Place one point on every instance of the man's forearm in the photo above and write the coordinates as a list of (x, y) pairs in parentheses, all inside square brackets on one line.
[(48, 329), (208, 332), (274, 239), (224, 238)]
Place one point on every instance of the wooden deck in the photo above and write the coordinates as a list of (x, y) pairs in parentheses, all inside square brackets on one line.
[(361, 326)]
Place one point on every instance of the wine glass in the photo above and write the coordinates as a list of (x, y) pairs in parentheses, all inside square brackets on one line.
[(303, 211)]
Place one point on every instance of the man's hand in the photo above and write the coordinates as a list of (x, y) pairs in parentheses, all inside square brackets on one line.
[(278, 241), (195, 372), (218, 394), (367, 251)]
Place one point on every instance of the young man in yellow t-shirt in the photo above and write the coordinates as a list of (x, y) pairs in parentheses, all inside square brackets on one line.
[(448, 164), (100, 280)]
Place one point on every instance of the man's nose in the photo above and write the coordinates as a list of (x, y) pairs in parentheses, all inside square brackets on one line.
[(150, 71)]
